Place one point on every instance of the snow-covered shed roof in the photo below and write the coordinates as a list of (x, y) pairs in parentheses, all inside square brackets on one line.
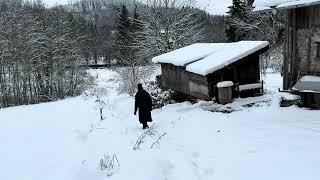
[(188, 54), (206, 58), (308, 84), (268, 5)]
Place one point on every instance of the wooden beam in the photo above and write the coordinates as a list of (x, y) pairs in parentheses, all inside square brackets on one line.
[(286, 52), (294, 73), (310, 33)]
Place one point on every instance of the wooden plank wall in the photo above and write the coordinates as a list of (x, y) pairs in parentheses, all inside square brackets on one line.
[(199, 86), (175, 77), (178, 79), (302, 35)]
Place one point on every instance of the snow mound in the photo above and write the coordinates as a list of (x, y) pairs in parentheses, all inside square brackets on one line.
[(308, 84), (311, 78), (225, 84), (250, 86)]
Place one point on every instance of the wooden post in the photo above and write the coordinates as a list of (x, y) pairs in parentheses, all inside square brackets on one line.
[(293, 74), (310, 32), (286, 52)]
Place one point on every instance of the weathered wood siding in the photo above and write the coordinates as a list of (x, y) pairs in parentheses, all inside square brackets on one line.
[(175, 77), (301, 44), (225, 95), (199, 86), (310, 99)]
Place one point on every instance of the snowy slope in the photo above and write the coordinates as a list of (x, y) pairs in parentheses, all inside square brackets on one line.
[(65, 140)]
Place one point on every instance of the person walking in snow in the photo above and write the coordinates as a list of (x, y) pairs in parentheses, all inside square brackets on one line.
[(143, 103)]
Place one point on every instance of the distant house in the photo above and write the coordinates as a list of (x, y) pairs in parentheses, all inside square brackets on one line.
[(196, 69), (302, 38)]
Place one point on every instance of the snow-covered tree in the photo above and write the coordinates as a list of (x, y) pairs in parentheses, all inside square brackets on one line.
[(238, 10), (39, 54), (243, 24), (169, 24), (124, 38)]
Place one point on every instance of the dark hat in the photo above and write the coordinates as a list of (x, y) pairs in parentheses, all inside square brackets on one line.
[(140, 86)]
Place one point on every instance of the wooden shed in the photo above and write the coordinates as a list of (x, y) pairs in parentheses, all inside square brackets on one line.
[(196, 69)]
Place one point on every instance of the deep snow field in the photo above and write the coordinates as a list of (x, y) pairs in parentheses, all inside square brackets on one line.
[(65, 140)]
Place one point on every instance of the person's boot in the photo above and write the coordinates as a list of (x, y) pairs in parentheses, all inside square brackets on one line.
[(145, 126)]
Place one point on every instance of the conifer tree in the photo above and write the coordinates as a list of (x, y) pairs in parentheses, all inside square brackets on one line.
[(123, 35), (238, 10)]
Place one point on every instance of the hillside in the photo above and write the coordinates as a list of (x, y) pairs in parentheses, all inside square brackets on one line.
[(66, 139)]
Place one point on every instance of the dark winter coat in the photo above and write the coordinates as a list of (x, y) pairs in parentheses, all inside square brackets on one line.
[(144, 105)]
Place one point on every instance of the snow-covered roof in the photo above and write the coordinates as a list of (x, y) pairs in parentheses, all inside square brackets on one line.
[(267, 5), (188, 54), (308, 84), (206, 58), (225, 56)]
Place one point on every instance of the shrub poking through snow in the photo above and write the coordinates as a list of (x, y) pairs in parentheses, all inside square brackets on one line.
[(99, 93), (109, 164), (159, 97), (129, 77), (158, 140), (150, 132)]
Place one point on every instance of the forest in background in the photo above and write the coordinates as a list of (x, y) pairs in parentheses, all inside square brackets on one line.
[(43, 51)]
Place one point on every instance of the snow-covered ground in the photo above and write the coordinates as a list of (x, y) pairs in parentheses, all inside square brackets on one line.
[(65, 140)]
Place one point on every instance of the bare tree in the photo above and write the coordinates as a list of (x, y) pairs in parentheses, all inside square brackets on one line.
[(164, 25), (169, 25), (243, 24), (39, 54)]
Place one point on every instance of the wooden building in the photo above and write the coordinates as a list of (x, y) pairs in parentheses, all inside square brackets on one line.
[(302, 43), (196, 69), (302, 38)]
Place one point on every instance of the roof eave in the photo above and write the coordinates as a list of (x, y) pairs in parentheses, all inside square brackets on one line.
[(288, 7), (299, 6), (263, 10)]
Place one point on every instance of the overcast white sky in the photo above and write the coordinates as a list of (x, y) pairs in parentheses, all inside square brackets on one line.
[(215, 6), (212, 6)]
